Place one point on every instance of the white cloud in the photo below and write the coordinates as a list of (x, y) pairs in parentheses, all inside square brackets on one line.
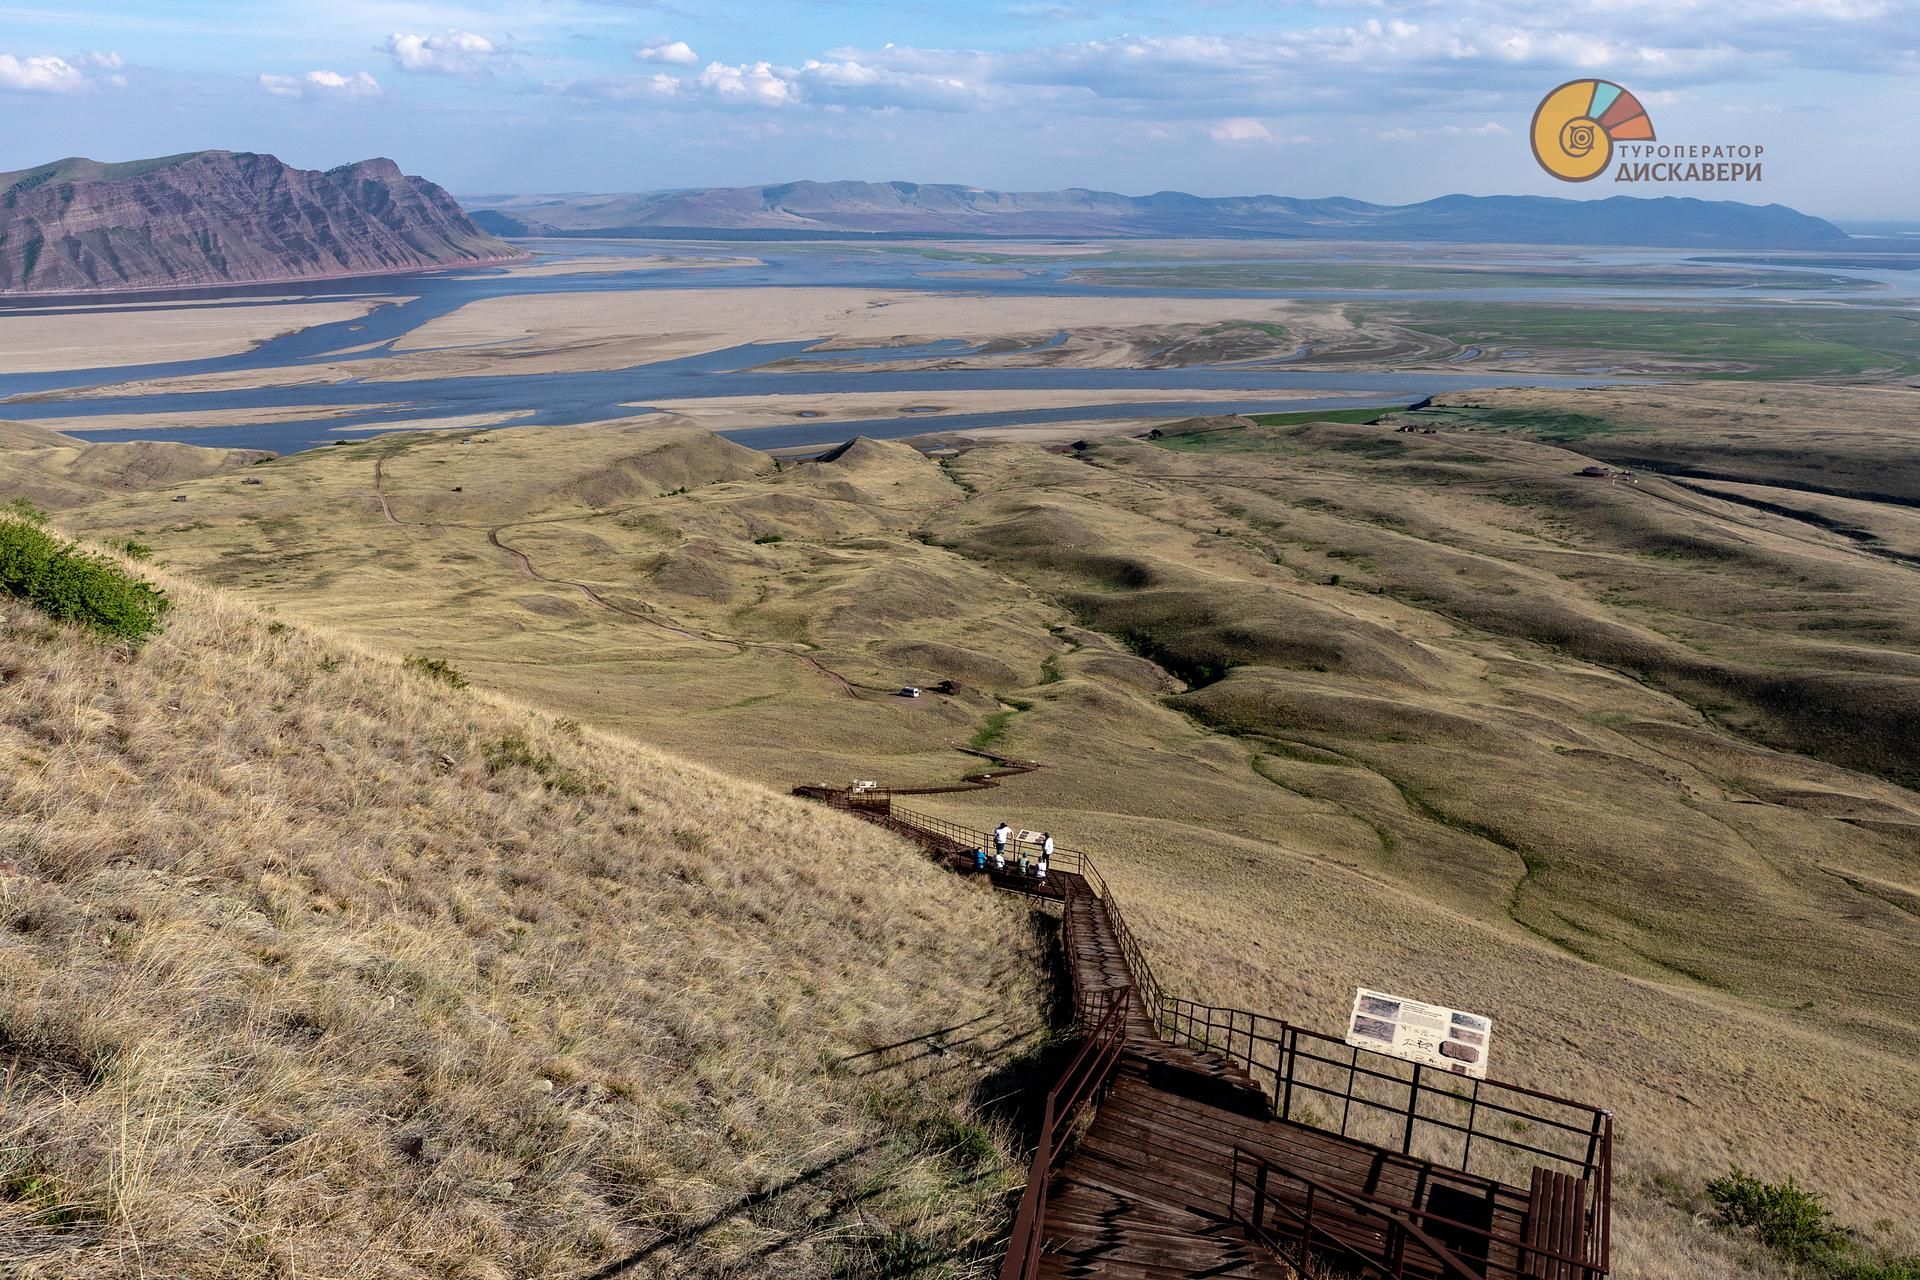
[(757, 83), (677, 52), (859, 84), (321, 84), (1240, 129), (106, 61), (453, 53), (42, 74)]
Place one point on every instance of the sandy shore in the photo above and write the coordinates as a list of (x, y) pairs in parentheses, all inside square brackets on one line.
[(1025, 249), (584, 332), (664, 324), (188, 419), (605, 264), (457, 422), (44, 340), (738, 413)]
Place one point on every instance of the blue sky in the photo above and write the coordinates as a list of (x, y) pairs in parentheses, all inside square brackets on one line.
[(1383, 101)]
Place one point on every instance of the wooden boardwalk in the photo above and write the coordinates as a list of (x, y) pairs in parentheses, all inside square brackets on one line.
[(1184, 1147), (1138, 1197)]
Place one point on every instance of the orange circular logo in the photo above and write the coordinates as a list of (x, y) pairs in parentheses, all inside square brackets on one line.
[(1575, 126)]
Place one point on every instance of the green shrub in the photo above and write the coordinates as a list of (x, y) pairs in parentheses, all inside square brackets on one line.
[(71, 585), (439, 668), (767, 539), (1783, 1216), (21, 509), (134, 550), (514, 751)]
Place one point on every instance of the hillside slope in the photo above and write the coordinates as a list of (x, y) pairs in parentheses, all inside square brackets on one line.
[(941, 209), (1447, 716), (314, 965), (223, 217)]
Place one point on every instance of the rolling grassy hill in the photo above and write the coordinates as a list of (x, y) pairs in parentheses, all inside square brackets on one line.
[(1618, 762), (314, 963)]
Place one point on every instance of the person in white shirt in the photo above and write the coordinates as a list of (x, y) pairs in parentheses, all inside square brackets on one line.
[(1001, 834), (1046, 853)]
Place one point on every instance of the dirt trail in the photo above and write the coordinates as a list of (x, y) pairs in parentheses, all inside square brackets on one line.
[(645, 615)]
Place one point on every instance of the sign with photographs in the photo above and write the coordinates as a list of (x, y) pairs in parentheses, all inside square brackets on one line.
[(1425, 1033)]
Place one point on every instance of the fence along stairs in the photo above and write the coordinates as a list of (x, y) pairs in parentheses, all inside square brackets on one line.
[(1190, 1167)]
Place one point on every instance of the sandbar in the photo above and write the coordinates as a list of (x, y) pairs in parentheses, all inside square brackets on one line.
[(47, 340), (737, 413), (607, 264)]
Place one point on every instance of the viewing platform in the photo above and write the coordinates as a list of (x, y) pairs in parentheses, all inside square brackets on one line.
[(1190, 1140)]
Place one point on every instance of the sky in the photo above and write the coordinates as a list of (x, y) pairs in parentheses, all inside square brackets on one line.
[(1391, 102)]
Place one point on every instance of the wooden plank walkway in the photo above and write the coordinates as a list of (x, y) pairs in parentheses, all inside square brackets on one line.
[(1149, 1189), (1138, 1197)]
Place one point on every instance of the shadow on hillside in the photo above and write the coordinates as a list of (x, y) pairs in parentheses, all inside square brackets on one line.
[(1014, 1091), (744, 1205)]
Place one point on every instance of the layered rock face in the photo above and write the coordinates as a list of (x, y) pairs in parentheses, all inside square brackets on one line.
[(224, 217)]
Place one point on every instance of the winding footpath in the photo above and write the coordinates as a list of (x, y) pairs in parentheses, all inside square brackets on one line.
[(647, 615)]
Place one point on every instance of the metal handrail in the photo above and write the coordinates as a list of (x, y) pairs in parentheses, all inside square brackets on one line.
[(1261, 1200), (1175, 1020), (1085, 1076), (1377, 1207), (1183, 1018)]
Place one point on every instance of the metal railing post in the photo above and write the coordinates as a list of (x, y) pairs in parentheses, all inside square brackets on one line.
[(1188, 1022), (1473, 1112), (1413, 1106), (1306, 1230)]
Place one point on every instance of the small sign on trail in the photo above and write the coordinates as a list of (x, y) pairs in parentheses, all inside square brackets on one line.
[(1429, 1034)]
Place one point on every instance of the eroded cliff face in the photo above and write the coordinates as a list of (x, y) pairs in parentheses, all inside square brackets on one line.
[(223, 217)]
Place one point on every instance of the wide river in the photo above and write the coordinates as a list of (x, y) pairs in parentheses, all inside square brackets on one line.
[(357, 409)]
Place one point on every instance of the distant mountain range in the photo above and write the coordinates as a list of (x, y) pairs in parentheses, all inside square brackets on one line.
[(223, 217), (905, 209)]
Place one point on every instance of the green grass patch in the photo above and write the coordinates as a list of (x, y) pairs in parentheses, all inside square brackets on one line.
[(1795, 1226), (1319, 415), (988, 735), (515, 752), (69, 584), (1240, 440), (437, 669), (1764, 342), (1387, 275), (1551, 426)]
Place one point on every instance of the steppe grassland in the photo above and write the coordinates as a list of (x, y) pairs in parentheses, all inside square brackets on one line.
[(1863, 342), (1438, 794), (310, 964)]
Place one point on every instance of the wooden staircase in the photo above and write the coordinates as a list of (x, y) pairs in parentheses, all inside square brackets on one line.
[(1183, 1170)]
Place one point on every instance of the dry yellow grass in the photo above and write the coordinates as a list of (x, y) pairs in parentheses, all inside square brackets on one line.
[(1529, 754), (312, 965)]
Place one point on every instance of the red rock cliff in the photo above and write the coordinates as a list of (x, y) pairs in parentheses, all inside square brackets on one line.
[(223, 217)]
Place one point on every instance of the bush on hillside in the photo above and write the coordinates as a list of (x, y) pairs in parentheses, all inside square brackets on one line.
[(1785, 1217), (436, 668), (21, 509), (72, 585), (1795, 1225)]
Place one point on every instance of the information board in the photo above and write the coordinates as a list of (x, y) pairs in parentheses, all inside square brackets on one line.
[(1429, 1034)]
